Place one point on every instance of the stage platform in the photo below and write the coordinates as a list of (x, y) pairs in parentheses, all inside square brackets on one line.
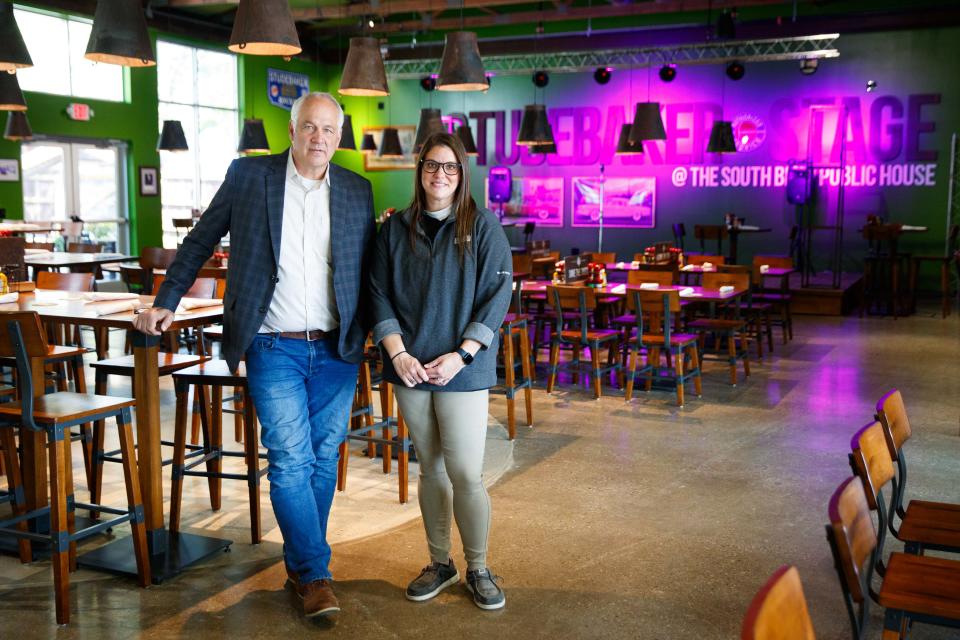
[(820, 298)]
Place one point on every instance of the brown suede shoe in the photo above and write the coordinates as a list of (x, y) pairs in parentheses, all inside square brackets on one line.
[(318, 599)]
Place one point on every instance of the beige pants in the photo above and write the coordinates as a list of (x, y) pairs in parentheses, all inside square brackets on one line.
[(449, 430)]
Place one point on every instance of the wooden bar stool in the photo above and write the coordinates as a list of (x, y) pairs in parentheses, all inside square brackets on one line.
[(214, 374), (364, 426), (51, 416), (516, 327)]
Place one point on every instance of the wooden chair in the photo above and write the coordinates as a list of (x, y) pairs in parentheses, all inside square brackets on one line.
[(892, 415), (581, 301), (151, 258), (779, 610), (731, 329), (84, 247), (945, 262), (514, 338), (73, 282), (522, 263), (46, 246), (606, 257), (709, 232), (635, 279), (49, 418), (658, 307), (700, 258), (779, 297), (214, 374), (915, 588)]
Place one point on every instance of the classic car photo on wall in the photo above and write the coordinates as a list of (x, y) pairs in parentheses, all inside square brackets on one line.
[(627, 202), (532, 199)]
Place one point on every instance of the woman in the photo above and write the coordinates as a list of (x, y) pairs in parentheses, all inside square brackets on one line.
[(441, 284)]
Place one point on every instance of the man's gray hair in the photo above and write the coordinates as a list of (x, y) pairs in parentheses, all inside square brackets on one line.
[(295, 109)]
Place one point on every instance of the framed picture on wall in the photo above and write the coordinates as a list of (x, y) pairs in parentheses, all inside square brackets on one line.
[(532, 199), (149, 181), (374, 162), (627, 202), (9, 170)]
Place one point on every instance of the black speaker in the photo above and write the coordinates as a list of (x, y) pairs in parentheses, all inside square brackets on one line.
[(798, 186), (499, 184)]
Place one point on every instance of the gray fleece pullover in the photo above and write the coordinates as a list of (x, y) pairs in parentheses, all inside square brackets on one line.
[(435, 303)]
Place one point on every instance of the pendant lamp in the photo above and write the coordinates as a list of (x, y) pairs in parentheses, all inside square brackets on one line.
[(18, 127), (545, 147), (390, 144), (119, 35), (13, 50), (171, 137), (253, 138), (647, 123), (368, 144), (466, 137), (431, 121), (347, 141), (624, 146), (721, 138), (363, 72), (264, 28), (11, 98), (534, 127), (461, 68)]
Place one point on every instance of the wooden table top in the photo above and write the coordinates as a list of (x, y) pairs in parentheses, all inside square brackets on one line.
[(28, 227), (72, 308), (687, 293), (65, 259)]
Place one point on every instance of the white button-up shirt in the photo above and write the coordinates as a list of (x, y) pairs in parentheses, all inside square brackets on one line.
[(303, 299)]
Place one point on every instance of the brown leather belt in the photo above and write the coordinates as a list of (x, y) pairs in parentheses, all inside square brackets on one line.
[(309, 336)]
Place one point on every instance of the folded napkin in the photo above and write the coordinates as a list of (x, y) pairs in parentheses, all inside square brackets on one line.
[(115, 306), (686, 291), (618, 288), (726, 289), (706, 266), (649, 285), (13, 296), (764, 268), (188, 304), (99, 296), (687, 267)]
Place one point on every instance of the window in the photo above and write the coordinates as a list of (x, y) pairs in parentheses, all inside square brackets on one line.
[(198, 87), (62, 178), (57, 45)]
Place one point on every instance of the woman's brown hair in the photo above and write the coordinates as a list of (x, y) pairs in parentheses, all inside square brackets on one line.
[(464, 206)]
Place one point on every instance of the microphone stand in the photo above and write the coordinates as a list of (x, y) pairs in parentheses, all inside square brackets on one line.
[(600, 213)]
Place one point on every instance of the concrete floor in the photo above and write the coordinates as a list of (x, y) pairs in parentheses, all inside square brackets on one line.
[(616, 520)]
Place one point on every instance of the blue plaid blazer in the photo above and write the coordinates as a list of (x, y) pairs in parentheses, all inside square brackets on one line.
[(249, 205)]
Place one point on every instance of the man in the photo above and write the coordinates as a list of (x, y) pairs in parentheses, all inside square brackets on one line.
[(292, 305)]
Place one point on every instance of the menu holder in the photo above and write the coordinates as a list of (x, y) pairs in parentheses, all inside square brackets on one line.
[(576, 268)]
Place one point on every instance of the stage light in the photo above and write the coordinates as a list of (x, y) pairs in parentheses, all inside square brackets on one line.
[(541, 79), (371, 23), (428, 83), (726, 28), (809, 66), (668, 72), (602, 75), (735, 70), (871, 86)]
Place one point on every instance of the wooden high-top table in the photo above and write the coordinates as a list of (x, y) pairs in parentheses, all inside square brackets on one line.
[(169, 554)]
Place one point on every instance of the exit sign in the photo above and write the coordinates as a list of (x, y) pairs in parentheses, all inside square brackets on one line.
[(79, 111)]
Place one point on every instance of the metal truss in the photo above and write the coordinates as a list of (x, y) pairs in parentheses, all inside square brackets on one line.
[(803, 47)]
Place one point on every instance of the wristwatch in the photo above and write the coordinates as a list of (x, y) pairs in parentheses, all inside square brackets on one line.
[(465, 355)]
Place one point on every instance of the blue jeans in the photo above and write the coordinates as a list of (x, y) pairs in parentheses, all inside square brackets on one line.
[(303, 394)]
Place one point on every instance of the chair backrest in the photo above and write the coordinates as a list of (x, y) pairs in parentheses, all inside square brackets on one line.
[(48, 246), (516, 298), (84, 247), (709, 231), (700, 258), (201, 288), (871, 462), (65, 281), (779, 610), (852, 540), (157, 257), (22, 337), (715, 280), (780, 262), (892, 414), (605, 257), (571, 297), (522, 262), (733, 268), (663, 278)]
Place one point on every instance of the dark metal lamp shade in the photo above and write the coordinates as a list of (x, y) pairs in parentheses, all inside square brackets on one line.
[(18, 127), (363, 72), (550, 146), (721, 138), (171, 137), (264, 28), (431, 122), (647, 123), (13, 50), (347, 141), (390, 145), (119, 35), (253, 138), (534, 127), (11, 98), (368, 144), (461, 68), (624, 146), (466, 137)]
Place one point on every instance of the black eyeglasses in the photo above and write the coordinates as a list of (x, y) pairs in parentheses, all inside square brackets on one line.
[(449, 168)]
